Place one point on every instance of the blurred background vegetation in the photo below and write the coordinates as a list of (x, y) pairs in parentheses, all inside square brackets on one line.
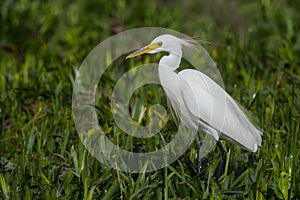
[(256, 45)]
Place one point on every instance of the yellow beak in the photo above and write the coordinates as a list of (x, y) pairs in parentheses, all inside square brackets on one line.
[(145, 49)]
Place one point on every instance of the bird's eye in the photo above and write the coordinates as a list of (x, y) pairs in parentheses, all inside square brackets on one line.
[(160, 44)]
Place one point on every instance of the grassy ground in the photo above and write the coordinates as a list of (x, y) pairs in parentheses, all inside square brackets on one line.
[(256, 46)]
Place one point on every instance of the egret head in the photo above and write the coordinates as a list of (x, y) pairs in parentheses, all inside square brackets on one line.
[(166, 43)]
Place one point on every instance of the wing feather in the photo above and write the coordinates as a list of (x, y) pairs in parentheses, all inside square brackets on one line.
[(209, 103)]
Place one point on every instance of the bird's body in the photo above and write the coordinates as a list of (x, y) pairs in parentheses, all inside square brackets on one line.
[(230, 123), (199, 101)]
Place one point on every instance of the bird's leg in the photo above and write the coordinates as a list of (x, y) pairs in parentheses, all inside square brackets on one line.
[(199, 155), (221, 168)]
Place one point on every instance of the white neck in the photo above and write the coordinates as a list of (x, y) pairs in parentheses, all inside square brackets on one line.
[(171, 61), (167, 72)]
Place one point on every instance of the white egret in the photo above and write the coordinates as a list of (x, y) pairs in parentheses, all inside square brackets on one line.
[(197, 92)]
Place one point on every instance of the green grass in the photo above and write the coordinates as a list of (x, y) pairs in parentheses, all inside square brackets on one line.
[(256, 46)]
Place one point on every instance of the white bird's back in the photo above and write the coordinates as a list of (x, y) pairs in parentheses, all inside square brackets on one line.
[(210, 102)]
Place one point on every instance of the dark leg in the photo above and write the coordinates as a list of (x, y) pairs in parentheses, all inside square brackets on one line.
[(221, 168), (199, 155)]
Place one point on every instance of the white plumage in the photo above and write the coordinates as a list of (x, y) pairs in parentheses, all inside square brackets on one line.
[(199, 101)]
